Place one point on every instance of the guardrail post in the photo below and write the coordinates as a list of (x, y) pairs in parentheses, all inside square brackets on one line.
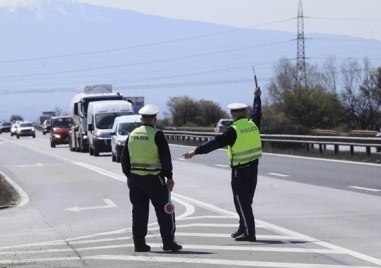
[(352, 149), (336, 149), (321, 148), (368, 150)]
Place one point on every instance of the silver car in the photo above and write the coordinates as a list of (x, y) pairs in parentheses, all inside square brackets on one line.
[(25, 129)]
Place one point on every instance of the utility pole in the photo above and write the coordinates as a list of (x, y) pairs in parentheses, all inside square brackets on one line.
[(301, 56)]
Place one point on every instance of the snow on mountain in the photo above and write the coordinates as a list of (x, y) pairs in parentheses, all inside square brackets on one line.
[(51, 47)]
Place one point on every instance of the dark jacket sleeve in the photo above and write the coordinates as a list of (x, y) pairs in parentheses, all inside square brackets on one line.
[(220, 141), (125, 160), (257, 111), (164, 154)]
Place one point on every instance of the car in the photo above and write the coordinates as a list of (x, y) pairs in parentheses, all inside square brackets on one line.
[(5, 127), (25, 129), (46, 126), (59, 130), (223, 124), (14, 128), (123, 125)]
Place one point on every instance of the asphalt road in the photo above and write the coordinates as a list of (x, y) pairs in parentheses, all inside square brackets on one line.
[(75, 212)]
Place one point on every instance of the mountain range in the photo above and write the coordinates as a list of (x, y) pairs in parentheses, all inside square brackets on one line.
[(50, 49)]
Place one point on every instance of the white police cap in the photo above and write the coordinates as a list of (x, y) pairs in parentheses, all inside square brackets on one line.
[(235, 107), (149, 110)]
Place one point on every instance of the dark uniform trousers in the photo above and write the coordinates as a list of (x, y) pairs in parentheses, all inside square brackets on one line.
[(142, 190), (244, 182)]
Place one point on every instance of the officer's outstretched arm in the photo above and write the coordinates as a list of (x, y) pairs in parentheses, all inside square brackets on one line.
[(189, 155)]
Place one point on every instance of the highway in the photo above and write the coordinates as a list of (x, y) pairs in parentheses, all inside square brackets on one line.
[(75, 212)]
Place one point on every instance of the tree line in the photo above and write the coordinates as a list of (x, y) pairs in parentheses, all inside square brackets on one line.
[(340, 96)]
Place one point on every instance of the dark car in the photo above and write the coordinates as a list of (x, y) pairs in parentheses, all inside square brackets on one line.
[(46, 126), (5, 127), (59, 130)]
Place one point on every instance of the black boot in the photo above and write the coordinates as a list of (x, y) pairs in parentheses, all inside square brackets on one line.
[(142, 248), (173, 246), (237, 233), (247, 237), (140, 245)]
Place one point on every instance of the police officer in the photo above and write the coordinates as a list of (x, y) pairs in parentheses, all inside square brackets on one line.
[(146, 162), (244, 150)]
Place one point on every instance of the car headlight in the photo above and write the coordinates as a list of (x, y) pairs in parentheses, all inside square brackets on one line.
[(57, 136), (98, 133), (120, 142)]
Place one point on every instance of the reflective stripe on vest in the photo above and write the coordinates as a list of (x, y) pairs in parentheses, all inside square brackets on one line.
[(144, 155), (248, 146)]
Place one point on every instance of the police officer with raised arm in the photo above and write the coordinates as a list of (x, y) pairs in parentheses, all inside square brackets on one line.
[(146, 162), (244, 150)]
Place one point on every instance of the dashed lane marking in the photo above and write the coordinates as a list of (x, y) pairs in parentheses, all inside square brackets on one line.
[(278, 174), (365, 189)]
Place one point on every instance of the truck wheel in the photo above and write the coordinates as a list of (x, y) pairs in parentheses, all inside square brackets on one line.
[(18, 136), (91, 150), (117, 158), (34, 136), (52, 144)]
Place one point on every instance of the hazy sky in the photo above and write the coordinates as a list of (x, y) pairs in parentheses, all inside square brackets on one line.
[(360, 18)]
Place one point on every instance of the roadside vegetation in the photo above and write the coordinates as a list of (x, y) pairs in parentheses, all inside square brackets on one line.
[(340, 97)]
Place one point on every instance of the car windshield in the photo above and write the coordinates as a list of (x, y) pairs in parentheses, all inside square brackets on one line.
[(26, 125), (227, 123), (105, 121), (126, 128), (61, 122)]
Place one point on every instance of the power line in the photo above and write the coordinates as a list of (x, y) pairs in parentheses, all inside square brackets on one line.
[(94, 52)]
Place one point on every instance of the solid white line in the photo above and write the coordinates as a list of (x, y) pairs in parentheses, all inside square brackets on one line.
[(187, 246), (207, 206), (216, 262), (365, 189), (31, 165), (277, 174), (224, 166), (102, 171), (189, 209)]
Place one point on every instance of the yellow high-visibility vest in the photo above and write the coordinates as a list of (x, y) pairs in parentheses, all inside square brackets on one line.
[(248, 146), (143, 151)]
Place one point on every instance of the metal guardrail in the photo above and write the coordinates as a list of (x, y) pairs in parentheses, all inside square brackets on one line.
[(286, 141)]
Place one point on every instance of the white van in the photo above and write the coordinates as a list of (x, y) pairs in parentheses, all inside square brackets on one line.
[(123, 125), (100, 118)]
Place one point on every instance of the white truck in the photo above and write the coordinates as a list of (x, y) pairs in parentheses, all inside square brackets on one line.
[(100, 119), (78, 139)]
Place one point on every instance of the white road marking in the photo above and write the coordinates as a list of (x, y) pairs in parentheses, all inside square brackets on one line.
[(109, 204), (278, 174), (102, 171), (31, 165), (187, 247), (24, 198), (365, 189), (189, 209), (229, 213), (224, 166), (224, 262)]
